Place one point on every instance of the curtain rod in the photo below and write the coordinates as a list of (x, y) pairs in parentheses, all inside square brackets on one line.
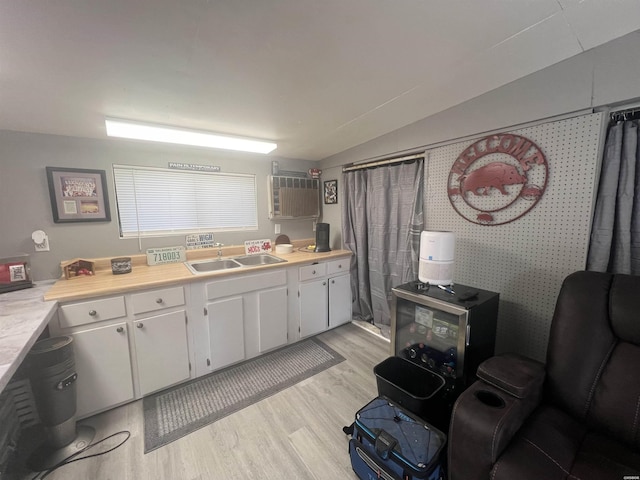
[(388, 161), (628, 114)]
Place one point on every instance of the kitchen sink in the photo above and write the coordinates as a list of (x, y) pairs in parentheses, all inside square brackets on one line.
[(203, 266), (261, 259), (215, 265)]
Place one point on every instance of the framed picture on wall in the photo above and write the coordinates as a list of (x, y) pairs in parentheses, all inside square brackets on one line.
[(78, 195), (331, 191)]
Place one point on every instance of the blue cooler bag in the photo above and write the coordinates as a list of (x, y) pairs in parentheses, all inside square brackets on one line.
[(392, 444)]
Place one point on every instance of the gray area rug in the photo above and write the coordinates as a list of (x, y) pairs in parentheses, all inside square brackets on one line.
[(178, 411)]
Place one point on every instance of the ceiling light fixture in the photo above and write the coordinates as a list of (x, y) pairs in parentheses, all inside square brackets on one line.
[(166, 134)]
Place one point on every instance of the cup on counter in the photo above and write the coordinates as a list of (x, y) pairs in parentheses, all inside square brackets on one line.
[(121, 265)]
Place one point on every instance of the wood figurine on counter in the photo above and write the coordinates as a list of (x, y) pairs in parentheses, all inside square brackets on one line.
[(78, 268)]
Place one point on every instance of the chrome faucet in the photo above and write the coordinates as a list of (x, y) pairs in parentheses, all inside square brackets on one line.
[(219, 245)]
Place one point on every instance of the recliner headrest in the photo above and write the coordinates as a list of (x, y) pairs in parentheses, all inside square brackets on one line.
[(624, 308)]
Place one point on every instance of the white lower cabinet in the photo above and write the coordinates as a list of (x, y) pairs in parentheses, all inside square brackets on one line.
[(238, 317), (325, 296), (121, 354), (339, 300), (313, 307), (103, 365), (162, 351), (226, 331), (272, 318), (130, 345)]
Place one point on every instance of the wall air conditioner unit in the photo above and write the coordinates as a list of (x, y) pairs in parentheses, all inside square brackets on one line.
[(293, 197)]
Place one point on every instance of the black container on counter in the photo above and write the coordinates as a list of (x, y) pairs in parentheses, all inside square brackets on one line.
[(121, 265)]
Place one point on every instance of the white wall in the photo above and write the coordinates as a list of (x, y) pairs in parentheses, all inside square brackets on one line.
[(25, 205)]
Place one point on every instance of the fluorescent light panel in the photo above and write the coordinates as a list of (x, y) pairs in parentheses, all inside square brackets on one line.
[(161, 133)]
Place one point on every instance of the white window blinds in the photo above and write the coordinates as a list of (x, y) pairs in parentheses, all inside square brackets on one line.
[(159, 201)]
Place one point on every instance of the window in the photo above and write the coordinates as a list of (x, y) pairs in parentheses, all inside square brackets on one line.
[(160, 201)]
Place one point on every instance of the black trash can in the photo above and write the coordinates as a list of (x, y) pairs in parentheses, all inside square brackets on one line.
[(52, 373), (421, 391)]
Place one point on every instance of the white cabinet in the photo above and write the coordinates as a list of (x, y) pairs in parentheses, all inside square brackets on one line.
[(226, 331), (162, 353), (238, 317), (101, 351), (90, 312), (313, 307), (325, 296), (272, 318), (103, 365), (126, 346), (339, 300), (155, 300)]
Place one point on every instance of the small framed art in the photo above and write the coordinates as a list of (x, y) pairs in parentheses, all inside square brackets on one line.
[(78, 195), (331, 192)]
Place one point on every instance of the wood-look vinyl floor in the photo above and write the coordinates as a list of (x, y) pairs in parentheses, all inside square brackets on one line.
[(295, 434)]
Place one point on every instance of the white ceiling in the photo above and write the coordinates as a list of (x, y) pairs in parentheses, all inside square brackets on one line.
[(316, 76)]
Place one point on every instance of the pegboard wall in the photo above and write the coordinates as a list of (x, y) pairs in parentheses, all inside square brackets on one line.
[(525, 260)]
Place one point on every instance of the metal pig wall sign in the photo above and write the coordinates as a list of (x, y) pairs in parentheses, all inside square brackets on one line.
[(497, 179)]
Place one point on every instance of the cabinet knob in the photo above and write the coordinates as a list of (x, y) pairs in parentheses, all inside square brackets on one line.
[(333, 282), (139, 325), (119, 329), (159, 300), (340, 266), (313, 273), (93, 313), (324, 283)]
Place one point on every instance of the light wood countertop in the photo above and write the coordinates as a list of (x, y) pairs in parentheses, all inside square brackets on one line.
[(144, 276)]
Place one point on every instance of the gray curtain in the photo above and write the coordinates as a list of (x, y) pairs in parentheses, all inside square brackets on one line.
[(382, 217), (615, 235)]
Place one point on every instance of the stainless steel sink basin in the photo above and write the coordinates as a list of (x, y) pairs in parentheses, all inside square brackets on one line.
[(203, 266), (261, 259), (215, 264)]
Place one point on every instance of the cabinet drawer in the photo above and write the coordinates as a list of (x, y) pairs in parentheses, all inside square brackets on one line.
[(92, 311), (338, 266), (157, 300), (313, 271)]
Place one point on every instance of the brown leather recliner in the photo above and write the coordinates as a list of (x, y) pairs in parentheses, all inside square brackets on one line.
[(575, 418)]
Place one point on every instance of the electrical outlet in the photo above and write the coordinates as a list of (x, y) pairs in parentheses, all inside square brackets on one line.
[(40, 240), (43, 246), (277, 228)]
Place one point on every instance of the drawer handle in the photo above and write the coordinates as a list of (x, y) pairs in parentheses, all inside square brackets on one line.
[(139, 325), (119, 329), (92, 313), (159, 300)]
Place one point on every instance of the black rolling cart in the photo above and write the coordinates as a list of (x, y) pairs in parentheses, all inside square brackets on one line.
[(436, 333)]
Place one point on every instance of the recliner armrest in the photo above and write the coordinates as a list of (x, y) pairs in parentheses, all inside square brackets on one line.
[(514, 374), (487, 415)]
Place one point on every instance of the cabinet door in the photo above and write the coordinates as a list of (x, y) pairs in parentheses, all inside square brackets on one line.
[(161, 351), (272, 308), (339, 300), (226, 331), (313, 307), (103, 365)]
